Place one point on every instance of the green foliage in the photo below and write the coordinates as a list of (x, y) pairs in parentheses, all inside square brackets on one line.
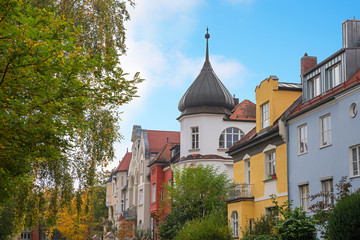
[(213, 226), (263, 226), (58, 97), (143, 234), (260, 237), (344, 220), (197, 191), (323, 210), (296, 226)]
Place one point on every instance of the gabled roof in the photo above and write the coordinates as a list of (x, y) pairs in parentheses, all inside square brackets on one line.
[(305, 106), (164, 155), (253, 137), (245, 111), (125, 162), (157, 139)]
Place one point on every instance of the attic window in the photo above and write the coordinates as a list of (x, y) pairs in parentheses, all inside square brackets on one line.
[(265, 115)]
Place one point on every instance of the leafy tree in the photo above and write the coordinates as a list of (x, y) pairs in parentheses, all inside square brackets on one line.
[(322, 210), (76, 218), (197, 191), (58, 95), (344, 220), (296, 226), (213, 226), (125, 231)]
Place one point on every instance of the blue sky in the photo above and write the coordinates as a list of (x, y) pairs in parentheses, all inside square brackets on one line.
[(250, 40)]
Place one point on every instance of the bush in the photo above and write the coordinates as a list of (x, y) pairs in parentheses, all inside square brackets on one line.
[(344, 221), (213, 226), (259, 237), (296, 226), (262, 227)]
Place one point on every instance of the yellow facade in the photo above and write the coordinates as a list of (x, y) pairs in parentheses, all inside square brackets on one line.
[(279, 100), (261, 184)]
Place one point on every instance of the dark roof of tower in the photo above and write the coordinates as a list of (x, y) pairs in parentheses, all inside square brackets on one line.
[(207, 94)]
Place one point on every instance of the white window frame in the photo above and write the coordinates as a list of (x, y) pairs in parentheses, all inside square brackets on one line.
[(153, 192), (333, 76), (304, 196), (265, 115), (235, 224), (302, 139), (325, 130), (230, 136), (327, 190), (355, 161), (314, 87), (195, 138), (247, 168), (141, 197), (270, 164)]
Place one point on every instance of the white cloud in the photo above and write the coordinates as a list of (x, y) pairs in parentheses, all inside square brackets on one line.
[(161, 64)]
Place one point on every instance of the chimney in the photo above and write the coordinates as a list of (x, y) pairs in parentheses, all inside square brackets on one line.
[(351, 33), (236, 100), (307, 62)]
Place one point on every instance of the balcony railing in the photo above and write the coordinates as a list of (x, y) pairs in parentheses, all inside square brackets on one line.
[(130, 213), (240, 191)]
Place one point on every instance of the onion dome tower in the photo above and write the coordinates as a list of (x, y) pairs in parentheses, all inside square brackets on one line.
[(207, 94)]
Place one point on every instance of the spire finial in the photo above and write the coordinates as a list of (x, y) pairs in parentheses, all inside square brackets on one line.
[(207, 36)]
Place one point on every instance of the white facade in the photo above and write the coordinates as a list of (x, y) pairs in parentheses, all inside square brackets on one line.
[(210, 127), (139, 184)]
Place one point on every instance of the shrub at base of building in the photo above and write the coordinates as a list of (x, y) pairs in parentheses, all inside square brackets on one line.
[(296, 226), (213, 226), (344, 220)]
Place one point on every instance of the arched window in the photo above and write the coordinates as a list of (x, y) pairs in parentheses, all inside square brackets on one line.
[(230, 136), (235, 224)]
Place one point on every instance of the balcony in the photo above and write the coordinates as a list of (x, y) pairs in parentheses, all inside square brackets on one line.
[(240, 191), (130, 213)]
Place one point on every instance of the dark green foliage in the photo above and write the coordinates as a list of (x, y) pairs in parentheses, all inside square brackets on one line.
[(344, 221), (198, 192), (262, 227), (259, 237), (213, 226), (296, 226)]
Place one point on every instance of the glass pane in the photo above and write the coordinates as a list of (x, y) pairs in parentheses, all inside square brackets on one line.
[(229, 130), (235, 130)]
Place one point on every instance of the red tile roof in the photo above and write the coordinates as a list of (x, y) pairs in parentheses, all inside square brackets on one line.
[(324, 97), (253, 135), (246, 111), (164, 155), (157, 139), (125, 162)]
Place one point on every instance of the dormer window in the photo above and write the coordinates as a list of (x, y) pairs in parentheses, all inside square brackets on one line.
[(230, 136), (265, 116), (314, 87), (332, 77)]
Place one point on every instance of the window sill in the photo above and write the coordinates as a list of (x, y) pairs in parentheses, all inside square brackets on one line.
[(222, 149), (194, 150), (357, 176), (325, 146), (299, 153), (269, 179)]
